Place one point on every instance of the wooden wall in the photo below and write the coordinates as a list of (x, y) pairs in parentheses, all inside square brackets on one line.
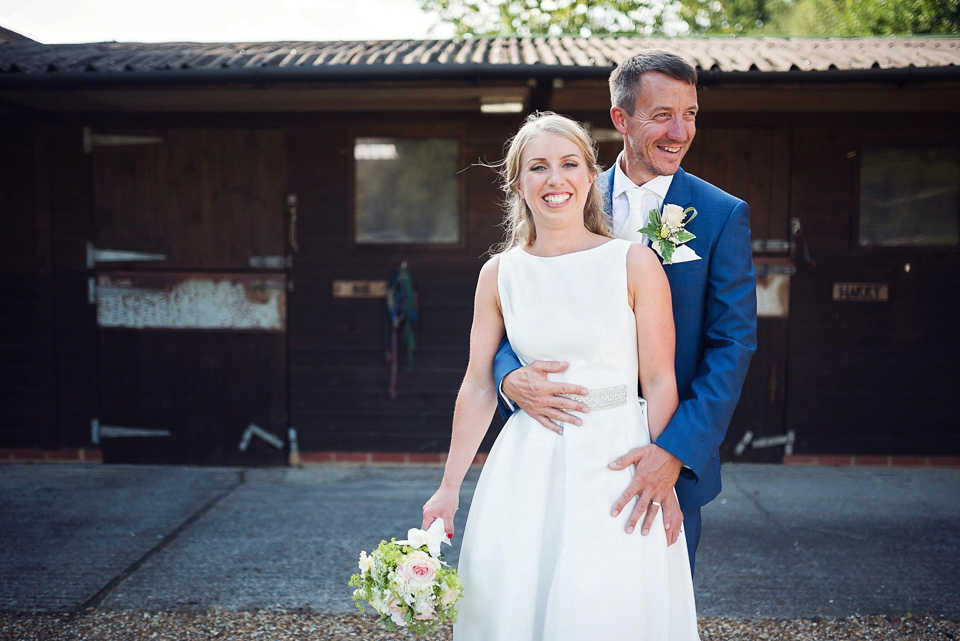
[(846, 377), (24, 283), (868, 377), (339, 377), (66, 178)]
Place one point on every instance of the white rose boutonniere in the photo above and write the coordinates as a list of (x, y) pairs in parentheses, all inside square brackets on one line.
[(668, 230)]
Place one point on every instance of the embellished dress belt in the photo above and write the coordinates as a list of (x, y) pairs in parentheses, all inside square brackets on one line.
[(601, 399)]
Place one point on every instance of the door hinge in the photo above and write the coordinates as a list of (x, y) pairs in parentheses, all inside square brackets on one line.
[(786, 440), (765, 270), (770, 245), (271, 262), (98, 431), (95, 256), (91, 140)]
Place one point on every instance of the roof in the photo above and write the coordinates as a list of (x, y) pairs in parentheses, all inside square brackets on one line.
[(729, 57), (7, 36)]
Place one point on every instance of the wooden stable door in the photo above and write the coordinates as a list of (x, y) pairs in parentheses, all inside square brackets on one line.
[(188, 273), (754, 164)]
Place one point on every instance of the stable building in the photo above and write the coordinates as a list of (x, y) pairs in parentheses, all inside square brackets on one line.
[(263, 252)]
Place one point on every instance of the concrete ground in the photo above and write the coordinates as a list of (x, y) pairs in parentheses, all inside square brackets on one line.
[(780, 541)]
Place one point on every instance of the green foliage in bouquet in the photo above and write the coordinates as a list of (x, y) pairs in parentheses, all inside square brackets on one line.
[(409, 586)]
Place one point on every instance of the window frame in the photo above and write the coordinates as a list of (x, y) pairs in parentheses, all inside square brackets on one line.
[(415, 132), (879, 142)]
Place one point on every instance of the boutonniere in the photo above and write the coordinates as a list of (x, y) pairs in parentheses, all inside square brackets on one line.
[(668, 230)]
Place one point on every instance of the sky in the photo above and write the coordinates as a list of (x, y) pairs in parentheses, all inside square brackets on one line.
[(68, 21)]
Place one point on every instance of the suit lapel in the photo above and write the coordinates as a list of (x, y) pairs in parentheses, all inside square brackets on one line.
[(679, 192), (607, 182)]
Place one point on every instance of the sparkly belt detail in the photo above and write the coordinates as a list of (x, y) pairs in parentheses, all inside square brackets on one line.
[(602, 399)]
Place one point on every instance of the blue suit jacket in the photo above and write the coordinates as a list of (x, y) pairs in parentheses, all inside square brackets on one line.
[(715, 314)]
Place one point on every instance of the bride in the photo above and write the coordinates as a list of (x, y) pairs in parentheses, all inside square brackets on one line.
[(542, 557)]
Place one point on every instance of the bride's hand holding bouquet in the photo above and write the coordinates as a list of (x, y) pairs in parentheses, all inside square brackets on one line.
[(442, 506)]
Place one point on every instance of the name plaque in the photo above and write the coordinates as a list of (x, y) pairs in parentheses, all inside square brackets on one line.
[(359, 288), (861, 292)]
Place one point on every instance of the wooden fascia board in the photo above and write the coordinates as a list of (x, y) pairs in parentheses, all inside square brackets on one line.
[(276, 99), (796, 98), (464, 96)]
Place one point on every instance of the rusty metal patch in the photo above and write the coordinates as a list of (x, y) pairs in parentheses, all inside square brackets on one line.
[(199, 301)]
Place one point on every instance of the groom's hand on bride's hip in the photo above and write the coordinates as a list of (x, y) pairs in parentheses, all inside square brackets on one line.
[(529, 388), (654, 475)]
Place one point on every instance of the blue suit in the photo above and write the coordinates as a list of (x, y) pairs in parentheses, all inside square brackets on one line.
[(715, 315)]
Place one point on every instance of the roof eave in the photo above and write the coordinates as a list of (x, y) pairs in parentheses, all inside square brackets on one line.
[(899, 76), (472, 71), (272, 75)]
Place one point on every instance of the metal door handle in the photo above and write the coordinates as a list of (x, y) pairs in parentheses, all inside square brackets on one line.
[(292, 210)]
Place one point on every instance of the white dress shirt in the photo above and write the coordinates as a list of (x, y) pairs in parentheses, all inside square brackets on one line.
[(654, 192)]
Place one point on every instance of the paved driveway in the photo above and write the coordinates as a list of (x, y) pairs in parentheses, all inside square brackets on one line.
[(780, 541)]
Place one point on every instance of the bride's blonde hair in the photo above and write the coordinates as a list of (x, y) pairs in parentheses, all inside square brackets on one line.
[(517, 217)]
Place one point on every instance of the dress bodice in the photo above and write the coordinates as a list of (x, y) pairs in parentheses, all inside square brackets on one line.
[(574, 308)]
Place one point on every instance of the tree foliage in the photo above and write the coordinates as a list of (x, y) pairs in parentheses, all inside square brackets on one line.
[(734, 16), (557, 17), (873, 17), (475, 18)]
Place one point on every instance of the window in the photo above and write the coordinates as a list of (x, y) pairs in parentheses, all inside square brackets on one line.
[(407, 190), (909, 196)]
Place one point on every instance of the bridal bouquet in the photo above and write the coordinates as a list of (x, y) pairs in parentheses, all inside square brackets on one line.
[(407, 583)]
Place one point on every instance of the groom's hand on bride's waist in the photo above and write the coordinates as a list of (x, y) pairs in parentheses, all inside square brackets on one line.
[(655, 473), (529, 388)]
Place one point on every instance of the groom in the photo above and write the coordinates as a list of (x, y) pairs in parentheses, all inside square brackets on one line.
[(712, 282)]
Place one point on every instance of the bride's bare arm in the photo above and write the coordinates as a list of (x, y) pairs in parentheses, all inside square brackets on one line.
[(656, 338), (476, 400), (655, 469)]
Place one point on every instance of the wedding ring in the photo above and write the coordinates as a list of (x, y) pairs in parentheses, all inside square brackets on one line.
[(655, 503)]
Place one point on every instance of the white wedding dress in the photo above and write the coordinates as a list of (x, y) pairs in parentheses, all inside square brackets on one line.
[(542, 559)]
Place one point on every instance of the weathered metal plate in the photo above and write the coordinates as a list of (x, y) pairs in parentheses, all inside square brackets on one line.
[(861, 292), (359, 288), (773, 287), (199, 301)]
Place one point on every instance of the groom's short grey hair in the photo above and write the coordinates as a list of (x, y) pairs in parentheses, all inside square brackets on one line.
[(625, 79)]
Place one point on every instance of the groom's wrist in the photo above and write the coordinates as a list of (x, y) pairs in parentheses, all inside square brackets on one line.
[(672, 454)]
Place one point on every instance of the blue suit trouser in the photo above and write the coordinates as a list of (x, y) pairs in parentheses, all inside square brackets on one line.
[(691, 531)]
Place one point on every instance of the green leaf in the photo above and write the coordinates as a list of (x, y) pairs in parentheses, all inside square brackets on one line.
[(655, 218), (684, 236), (666, 251)]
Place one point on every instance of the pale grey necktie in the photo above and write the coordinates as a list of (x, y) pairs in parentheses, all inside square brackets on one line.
[(641, 202)]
